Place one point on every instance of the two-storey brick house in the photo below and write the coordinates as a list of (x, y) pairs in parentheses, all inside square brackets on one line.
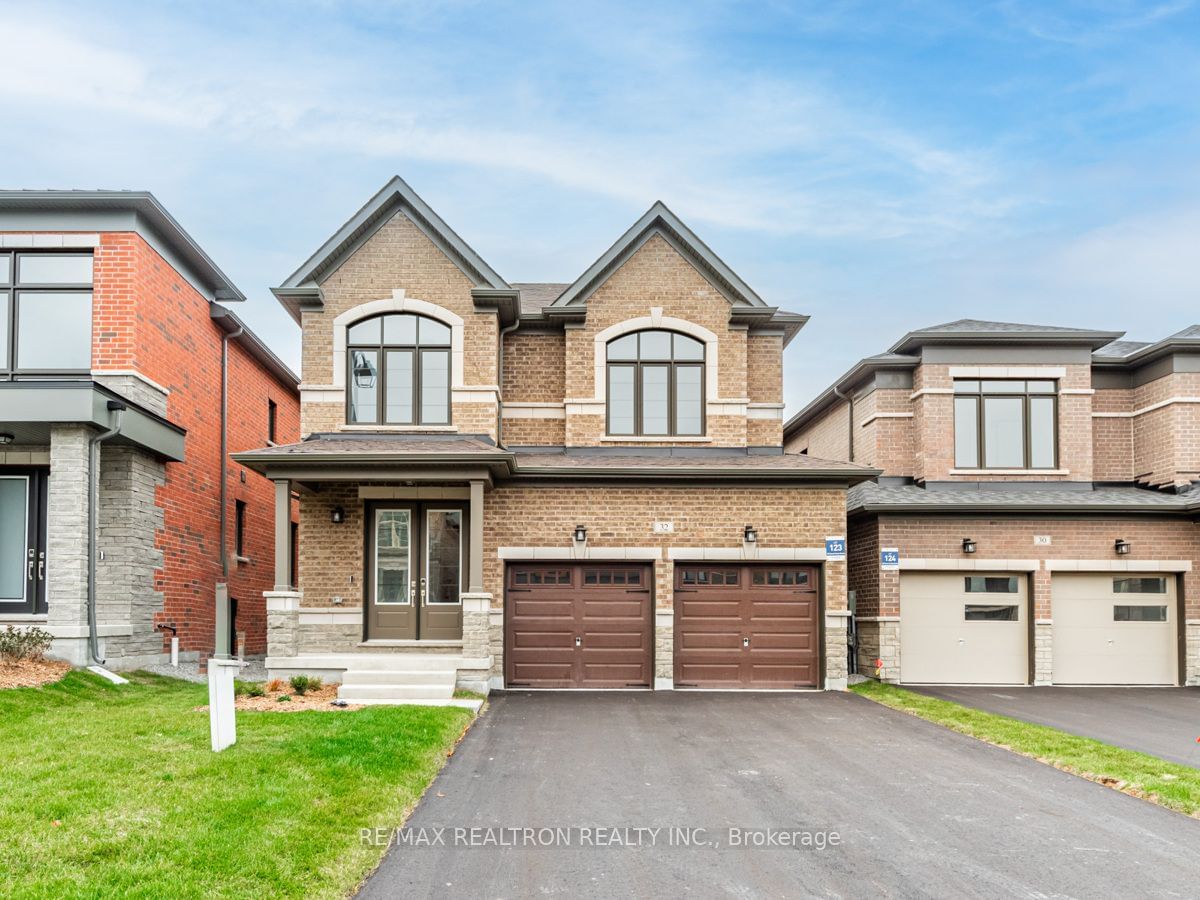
[(547, 485), (1036, 520), (124, 379)]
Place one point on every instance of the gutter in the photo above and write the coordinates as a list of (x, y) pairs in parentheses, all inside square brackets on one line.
[(225, 339), (849, 398), (114, 406), (507, 329)]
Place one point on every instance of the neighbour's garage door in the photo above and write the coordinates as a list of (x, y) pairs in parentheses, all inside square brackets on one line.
[(588, 626), (964, 628), (746, 626), (1114, 629)]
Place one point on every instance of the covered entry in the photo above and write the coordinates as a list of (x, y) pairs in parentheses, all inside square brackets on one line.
[(1115, 628), (964, 628), (570, 625), (739, 626)]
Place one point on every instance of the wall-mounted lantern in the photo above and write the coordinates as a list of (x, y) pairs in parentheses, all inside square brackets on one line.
[(1122, 547), (749, 535), (969, 546), (337, 516), (580, 534)]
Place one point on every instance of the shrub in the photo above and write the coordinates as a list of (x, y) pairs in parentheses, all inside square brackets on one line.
[(275, 685), (254, 689), (240, 688), (284, 698), (302, 684), (29, 643)]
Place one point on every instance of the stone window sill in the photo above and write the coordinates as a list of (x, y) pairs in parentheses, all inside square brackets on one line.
[(400, 429), (1010, 472), (662, 439)]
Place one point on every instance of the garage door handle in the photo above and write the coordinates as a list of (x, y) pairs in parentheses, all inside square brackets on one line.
[(578, 642), (745, 642)]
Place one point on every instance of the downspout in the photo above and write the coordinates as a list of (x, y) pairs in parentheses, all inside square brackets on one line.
[(93, 524), (849, 398), (225, 339), (507, 329)]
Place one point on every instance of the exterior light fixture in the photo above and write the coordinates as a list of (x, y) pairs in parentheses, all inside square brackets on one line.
[(969, 546), (6, 438), (1122, 547), (749, 535), (580, 534), (337, 516), (364, 372)]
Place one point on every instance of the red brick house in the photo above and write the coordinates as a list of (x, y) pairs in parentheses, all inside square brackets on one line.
[(547, 485), (119, 348), (1036, 521)]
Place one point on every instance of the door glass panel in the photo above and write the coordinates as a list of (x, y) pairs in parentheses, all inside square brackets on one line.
[(443, 555), (392, 556), (3, 329), (398, 403), (364, 385), (5, 268), (1004, 432), (435, 386), (1041, 432), (14, 539), (54, 330), (655, 406), (620, 399), (688, 417)]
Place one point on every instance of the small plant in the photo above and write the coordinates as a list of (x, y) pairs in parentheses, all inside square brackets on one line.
[(275, 685), (302, 684), (24, 643), (240, 688), (254, 689), (283, 698)]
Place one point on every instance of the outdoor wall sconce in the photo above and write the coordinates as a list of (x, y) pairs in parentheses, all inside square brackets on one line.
[(1122, 547), (749, 535), (969, 546), (580, 534), (337, 516), (6, 438)]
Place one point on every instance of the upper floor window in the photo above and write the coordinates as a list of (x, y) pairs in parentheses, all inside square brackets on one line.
[(272, 420), (399, 371), (655, 385), (1005, 424), (46, 313)]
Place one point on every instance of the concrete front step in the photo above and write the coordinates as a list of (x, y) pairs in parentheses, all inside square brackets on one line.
[(396, 692), (399, 676), (376, 662)]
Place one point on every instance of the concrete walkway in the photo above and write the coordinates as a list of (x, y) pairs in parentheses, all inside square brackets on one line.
[(917, 810)]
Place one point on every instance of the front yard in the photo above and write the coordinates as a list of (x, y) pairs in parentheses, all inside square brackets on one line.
[(111, 790)]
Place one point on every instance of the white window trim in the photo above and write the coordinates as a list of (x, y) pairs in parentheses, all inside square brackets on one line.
[(397, 303)]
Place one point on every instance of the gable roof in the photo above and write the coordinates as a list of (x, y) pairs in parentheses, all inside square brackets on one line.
[(659, 220), (1131, 354), (979, 331), (395, 196), (100, 211)]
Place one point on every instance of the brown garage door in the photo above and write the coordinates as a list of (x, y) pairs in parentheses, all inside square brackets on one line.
[(587, 626), (746, 626)]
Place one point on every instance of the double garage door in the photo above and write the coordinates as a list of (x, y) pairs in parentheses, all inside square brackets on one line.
[(592, 626), (959, 628)]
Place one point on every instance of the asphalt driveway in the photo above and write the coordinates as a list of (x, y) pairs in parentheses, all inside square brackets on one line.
[(917, 810), (1164, 722)]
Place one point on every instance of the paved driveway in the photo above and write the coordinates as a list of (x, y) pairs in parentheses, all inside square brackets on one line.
[(1164, 722), (919, 810)]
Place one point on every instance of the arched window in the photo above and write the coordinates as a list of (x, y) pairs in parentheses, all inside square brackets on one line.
[(399, 371), (655, 385)]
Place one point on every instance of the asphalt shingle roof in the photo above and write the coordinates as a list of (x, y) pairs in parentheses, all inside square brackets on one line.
[(537, 295), (872, 497)]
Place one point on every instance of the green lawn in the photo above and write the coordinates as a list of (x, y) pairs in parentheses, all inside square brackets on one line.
[(145, 809), (1166, 783)]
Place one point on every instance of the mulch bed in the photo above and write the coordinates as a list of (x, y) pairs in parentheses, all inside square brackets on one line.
[(312, 699), (31, 672)]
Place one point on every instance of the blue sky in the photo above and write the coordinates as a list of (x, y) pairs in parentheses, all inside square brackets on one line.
[(878, 165)]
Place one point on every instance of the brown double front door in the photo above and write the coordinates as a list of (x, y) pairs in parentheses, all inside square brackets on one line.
[(415, 563), (579, 625), (746, 626)]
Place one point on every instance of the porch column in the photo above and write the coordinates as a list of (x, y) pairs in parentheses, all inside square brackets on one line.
[(475, 573), (283, 536)]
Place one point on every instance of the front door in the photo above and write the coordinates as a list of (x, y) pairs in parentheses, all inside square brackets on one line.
[(23, 494), (416, 557)]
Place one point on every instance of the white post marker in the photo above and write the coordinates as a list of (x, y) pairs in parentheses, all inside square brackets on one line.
[(220, 701)]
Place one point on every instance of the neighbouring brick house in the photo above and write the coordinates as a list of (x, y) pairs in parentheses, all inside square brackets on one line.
[(1036, 519), (554, 485), (112, 332)]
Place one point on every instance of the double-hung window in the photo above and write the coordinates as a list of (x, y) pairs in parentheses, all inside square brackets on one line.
[(45, 313), (655, 385), (399, 371), (1005, 424)]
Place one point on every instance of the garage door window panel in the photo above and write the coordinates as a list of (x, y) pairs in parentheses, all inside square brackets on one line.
[(1139, 585), (991, 584), (1005, 424), (977, 612), (1131, 613)]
